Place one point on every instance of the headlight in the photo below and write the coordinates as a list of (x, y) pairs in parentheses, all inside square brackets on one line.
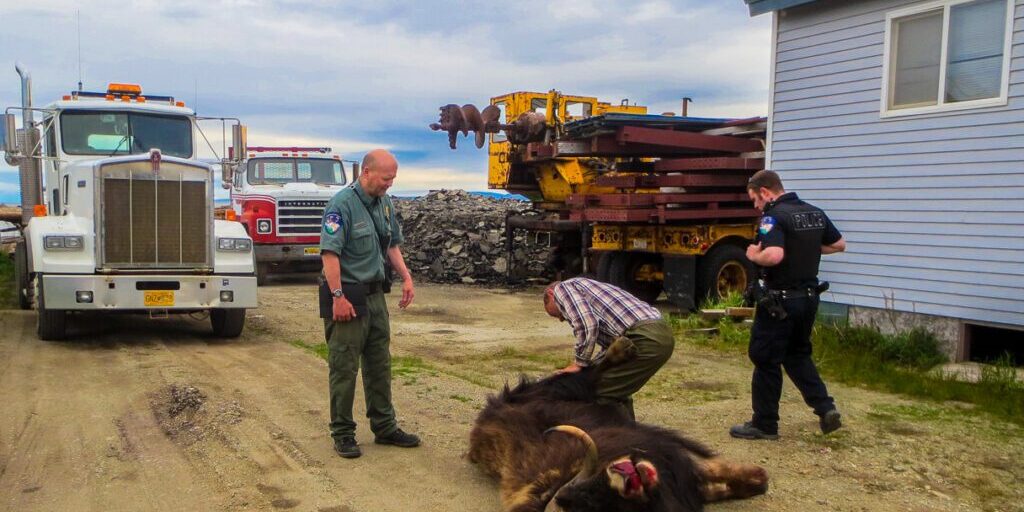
[(63, 243), (263, 226), (234, 244)]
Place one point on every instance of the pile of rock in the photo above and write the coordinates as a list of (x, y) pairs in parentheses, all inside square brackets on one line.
[(452, 236)]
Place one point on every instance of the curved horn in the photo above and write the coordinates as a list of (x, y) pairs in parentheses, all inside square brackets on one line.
[(590, 462)]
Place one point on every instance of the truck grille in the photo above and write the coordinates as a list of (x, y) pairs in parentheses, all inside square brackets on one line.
[(155, 219), (299, 218)]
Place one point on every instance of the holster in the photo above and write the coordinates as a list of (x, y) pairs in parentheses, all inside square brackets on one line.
[(772, 303), (355, 293)]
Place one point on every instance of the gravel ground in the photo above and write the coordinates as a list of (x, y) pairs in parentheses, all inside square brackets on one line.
[(140, 414)]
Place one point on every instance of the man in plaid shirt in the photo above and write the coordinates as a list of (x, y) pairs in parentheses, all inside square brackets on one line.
[(599, 313)]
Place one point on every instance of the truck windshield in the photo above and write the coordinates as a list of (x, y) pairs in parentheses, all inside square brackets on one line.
[(123, 133), (277, 171)]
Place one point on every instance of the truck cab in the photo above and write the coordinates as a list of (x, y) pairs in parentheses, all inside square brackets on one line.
[(123, 217), (279, 195)]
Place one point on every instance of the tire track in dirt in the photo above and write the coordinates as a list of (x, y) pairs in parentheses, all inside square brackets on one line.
[(281, 451), (83, 446)]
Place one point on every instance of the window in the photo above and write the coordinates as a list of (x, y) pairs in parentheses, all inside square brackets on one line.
[(123, 133), (502, 108), (278, 171), (577, 110), (539, 105), (947, 55)]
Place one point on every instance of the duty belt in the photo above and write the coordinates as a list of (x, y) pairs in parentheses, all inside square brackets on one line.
[(795, 293), (800, 293)]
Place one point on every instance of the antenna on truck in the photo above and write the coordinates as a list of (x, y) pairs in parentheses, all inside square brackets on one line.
[(78, 15)]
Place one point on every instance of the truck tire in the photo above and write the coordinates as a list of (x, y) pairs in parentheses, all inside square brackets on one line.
[(227, 323), (262, 269), (51, 324), (603, 264), (621, 268), (22, 277), (723, 270)]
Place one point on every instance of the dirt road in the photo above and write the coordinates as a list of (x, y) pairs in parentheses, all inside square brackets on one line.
[(139, 414)]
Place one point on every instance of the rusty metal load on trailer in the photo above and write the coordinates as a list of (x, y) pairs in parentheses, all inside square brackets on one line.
[(669, 168), (650, 203)]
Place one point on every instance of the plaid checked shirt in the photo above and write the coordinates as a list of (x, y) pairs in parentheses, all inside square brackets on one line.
[(598, 313)]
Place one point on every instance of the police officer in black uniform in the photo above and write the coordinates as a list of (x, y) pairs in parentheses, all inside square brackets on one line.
[(791, 238)]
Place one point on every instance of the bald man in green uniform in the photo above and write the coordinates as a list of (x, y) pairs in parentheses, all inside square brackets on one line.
[(360, 230)]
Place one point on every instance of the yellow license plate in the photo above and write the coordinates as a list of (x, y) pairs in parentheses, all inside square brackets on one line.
[(311, 251), (159, 298)]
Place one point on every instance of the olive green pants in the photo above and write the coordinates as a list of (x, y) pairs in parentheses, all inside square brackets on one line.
[(654, 344), (364, 341)]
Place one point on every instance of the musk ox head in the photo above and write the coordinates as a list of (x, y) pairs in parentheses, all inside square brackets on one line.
[(629, 482)]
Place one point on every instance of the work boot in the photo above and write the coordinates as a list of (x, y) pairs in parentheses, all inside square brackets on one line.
[(749, 431), (347, 447), (399, 438), (830, 421)]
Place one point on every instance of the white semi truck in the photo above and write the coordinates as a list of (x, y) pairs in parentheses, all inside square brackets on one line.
[(118, 212)]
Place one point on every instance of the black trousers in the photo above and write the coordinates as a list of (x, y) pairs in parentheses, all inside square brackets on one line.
[(784, 344)]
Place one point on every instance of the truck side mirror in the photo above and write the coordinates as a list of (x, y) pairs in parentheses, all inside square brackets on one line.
[(10, 137), (238, 142), (355, 171)]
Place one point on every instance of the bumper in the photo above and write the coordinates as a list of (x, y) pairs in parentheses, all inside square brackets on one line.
[(123, 292), (277, 253)]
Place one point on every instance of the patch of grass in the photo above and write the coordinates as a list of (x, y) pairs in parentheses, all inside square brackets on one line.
[(899, 364), (896, 364), (916, 348), (463, 399), (406, 366), (320, 349), (8, 290), (514, 354), (733, 300)]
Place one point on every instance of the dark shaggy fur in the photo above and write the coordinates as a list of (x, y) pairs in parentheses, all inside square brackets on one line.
[(509, 442)]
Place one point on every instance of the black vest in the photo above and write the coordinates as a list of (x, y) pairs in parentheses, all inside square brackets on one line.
[(803, 226)]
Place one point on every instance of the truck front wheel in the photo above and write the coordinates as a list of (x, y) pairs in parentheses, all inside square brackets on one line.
[(262, 269), (22, 277), (51, 324), (227, 323)]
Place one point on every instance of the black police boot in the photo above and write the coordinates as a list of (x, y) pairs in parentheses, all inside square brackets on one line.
[(749, 431), (347, 447), (399, 438), (830, 421)]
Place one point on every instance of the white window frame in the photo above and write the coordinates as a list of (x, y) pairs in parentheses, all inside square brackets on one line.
[(941, 106)]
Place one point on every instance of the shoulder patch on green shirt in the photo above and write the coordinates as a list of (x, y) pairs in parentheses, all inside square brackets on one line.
[(332, 223)]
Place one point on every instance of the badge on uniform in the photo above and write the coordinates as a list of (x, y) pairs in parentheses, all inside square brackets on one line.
[(332, 223), (767, 223)]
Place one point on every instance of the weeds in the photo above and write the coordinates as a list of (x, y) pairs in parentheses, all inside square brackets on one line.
[(733, 300), (8, 290), (320, 349), (896, 364)]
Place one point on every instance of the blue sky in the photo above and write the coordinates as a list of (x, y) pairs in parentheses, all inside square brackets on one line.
[(358, 75)]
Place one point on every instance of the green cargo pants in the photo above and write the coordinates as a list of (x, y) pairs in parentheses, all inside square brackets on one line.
[(654, 343), (365, 339)]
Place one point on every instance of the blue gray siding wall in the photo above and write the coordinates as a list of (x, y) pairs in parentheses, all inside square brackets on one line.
[(932, 205)]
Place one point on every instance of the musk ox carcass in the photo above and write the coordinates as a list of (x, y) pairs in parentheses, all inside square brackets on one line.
[(554, 449)]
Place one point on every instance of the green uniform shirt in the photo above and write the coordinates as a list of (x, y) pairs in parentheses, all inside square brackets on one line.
[(354, 224)]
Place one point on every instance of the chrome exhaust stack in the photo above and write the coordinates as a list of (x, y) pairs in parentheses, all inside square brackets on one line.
[(29, 163)]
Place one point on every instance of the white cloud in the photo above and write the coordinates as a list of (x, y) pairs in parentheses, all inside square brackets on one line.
[(411, 177), (353, 75)]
